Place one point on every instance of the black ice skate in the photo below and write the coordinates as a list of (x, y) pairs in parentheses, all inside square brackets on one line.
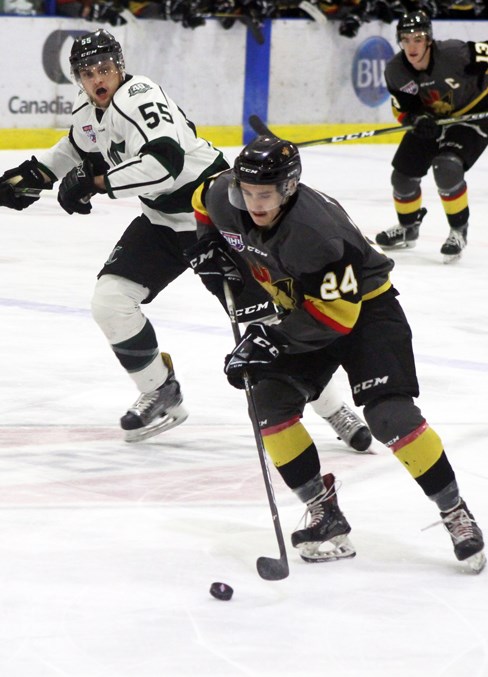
[(455, 243), (326, 526), (155, 412), (466, 536), (350, 429), (401, 237)]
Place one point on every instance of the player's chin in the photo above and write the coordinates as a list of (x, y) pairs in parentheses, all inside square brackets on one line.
[(260, 218)]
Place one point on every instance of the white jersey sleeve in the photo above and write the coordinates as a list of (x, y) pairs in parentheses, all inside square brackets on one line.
[(151, 149), (154, 147), (65, 155)]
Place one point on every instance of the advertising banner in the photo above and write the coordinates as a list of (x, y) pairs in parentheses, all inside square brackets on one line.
[(334, 79), (201, 69), (311, 74)]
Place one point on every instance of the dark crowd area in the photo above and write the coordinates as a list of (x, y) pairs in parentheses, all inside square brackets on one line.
[(348, 15)]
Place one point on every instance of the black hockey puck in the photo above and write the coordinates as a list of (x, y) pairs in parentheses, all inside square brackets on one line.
[(221, 591)]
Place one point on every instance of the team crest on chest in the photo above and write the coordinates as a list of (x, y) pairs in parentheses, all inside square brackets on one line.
[(410, 88), (90, 132), (234, 239)]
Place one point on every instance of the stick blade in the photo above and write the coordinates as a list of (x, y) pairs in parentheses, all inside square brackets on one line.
[(259, 126), (272, 569)]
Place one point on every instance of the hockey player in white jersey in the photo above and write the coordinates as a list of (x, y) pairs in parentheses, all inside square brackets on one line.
[(128, 138)]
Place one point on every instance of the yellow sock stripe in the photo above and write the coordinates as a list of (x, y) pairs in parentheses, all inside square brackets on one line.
[(455, 204), (286, 442), (404, 207), (419, 451)]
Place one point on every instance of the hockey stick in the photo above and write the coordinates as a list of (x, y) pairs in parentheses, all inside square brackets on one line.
[(261, 128), (313, 12), (268, 568), (27, 192), (18, 192)]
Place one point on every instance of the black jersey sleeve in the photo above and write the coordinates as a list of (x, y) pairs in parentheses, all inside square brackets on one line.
[(478, 58)]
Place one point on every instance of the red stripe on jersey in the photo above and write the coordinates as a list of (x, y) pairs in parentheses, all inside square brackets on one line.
[(410, 438), (324, 319), (272, 430), (203, 218)]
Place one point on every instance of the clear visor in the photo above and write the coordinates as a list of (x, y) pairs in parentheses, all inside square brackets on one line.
[(259, 198), (96, 65), (417, 38)]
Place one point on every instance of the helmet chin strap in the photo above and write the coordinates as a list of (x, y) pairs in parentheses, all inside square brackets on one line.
[(428, 46)]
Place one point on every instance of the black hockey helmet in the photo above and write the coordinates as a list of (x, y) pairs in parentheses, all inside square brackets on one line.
[(414, 22), (94, 48), (267, 160)]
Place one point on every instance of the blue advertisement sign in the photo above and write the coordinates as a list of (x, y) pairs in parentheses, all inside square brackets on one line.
[(368, 70)]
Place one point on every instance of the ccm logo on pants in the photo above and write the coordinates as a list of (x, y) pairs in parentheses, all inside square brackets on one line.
[(370, 383)]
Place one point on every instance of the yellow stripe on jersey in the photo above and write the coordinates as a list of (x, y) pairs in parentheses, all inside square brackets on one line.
[(471, 104), (286, 442), (455, 204), (378, 291), (419, 451), (340, 315), (196, 201)]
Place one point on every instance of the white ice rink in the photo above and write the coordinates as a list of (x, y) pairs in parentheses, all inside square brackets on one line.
[(108, 550)]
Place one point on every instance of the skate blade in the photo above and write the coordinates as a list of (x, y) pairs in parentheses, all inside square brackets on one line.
[(477, 562), (399, 245), (339, 547), (170, 420), (451, 258), (361, 452)]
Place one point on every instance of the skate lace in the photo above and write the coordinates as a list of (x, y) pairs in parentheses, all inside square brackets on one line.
[(145, 401), (315, 511), (394, 231), (344, 422), (455, 239), (458, 523)]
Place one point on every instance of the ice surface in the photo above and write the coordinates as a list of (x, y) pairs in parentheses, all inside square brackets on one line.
[(108, 550)]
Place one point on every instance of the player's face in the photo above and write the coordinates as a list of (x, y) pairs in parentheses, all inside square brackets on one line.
[(100, 82), (263, 203), (416, 47)]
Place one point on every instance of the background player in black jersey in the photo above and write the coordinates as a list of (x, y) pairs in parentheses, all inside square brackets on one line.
[(429, 80), (128, 138), (339, 308)]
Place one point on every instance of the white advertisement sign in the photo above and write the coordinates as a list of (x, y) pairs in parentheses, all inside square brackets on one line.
[(202, 69), (316, 75)]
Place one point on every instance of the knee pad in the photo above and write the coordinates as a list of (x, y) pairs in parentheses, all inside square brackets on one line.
[(448, 172), (404, 186), (392, 418), (277, 401), (116, 307)]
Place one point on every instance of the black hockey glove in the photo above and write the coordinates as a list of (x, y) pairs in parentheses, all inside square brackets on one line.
[(209, 259), (425, 127), (349, 26), (76, 189), (12, 195), (259, 347), (106, 12)]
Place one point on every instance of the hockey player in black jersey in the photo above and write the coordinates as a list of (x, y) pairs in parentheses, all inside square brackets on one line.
[(339, 308), (429, 80), (128, 138)]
